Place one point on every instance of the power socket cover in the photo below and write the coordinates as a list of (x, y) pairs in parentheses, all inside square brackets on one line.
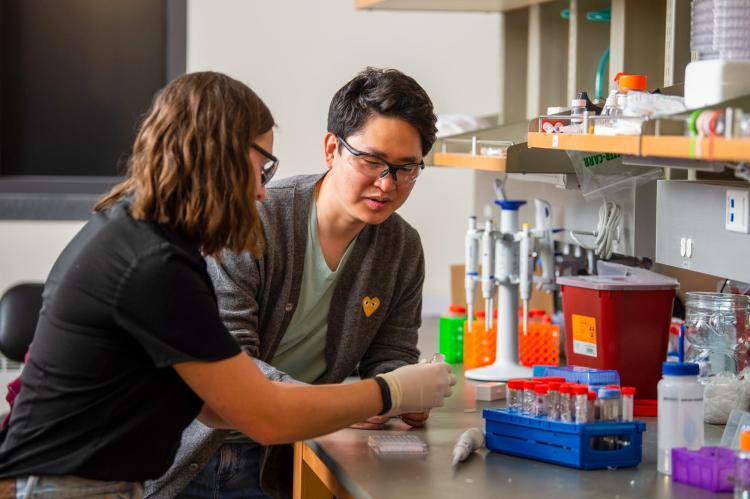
[(737, 217)]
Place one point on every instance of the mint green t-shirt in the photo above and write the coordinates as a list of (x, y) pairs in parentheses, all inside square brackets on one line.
[(301, 353)]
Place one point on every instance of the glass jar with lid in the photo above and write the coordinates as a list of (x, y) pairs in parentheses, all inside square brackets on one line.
[(717, 332)]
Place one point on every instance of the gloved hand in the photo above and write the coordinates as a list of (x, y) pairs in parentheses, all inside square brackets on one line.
[(418, 387)]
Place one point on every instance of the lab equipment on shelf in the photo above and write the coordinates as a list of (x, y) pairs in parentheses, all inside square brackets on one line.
[(711, 82)]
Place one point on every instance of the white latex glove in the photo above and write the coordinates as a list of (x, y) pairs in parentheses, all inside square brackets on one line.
[(419, 387)]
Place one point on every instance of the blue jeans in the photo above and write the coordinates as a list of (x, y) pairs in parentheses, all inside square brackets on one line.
[(69, 487), (233, 472)]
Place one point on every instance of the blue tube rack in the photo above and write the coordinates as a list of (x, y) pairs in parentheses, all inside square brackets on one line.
[(566, 444)]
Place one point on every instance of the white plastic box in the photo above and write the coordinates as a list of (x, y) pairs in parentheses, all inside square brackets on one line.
[(714, 81)]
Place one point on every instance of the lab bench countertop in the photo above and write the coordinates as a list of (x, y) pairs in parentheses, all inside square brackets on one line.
[(365, 474)]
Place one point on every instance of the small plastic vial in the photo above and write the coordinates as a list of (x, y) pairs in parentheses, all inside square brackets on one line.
[(742, 467), (527, 406), (628, 394), (591, 414), (540, 400), (577, 107), (581, 393), (514, 394), (553, 400), (609, 402), (566, 402)]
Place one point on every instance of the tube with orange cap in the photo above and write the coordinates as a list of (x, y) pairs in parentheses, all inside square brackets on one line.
[(742, 466)]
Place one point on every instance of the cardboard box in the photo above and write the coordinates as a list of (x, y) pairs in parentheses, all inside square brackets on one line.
[(539, 299)]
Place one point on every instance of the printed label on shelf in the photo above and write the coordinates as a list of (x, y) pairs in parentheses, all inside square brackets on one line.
[(555, 139), (584, 335)]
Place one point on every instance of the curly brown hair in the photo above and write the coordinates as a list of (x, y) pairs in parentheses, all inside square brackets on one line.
[(190, 165)]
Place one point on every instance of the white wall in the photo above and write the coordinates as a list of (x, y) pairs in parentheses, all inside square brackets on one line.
[(29, 248), (296, 53)]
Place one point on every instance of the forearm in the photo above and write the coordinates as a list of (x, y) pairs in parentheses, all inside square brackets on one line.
[(327, 408), (271, 412)]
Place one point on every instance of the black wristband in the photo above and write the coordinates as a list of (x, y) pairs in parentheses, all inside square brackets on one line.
[(385, 394)]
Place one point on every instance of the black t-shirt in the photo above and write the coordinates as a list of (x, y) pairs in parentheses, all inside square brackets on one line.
[(125, 301)]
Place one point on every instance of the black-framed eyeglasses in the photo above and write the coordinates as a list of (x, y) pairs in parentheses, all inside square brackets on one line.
[(376, 167), (268, 168)]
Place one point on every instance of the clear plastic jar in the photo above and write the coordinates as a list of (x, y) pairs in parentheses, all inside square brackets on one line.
[(680, 412), (717, 335)]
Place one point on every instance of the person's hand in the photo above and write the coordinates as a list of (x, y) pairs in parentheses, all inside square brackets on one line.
[(373, 423), (415, 419), (419, 387)]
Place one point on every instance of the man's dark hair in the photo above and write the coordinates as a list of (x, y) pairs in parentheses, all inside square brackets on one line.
[(387, 92)]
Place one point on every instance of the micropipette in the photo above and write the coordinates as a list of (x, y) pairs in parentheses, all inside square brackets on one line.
[(472, 265), (488, 267)]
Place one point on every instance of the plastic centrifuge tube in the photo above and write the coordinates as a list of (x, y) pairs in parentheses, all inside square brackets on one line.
[(437, 358), (566, 406), (540, 400), (628, 394), (514, 394), (581, 403), (553, 400), (609, 400), (527, 406), (591, 415)]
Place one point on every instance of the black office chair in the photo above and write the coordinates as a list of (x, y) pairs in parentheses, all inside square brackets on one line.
[(19, 313)]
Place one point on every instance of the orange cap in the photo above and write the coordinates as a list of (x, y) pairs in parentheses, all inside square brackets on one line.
[(745, 440), (632, 82)]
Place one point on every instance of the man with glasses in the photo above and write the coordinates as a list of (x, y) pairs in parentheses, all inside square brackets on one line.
[(339, 288)]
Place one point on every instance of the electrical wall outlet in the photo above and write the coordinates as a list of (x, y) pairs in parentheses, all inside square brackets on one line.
[(737, 217)]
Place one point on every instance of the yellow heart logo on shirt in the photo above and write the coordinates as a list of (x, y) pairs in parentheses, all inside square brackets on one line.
[(370, 305)]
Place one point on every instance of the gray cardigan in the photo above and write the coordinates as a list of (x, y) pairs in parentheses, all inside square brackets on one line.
[(257, 299)]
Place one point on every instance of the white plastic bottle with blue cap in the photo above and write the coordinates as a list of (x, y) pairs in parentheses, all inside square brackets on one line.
[(680, 408)]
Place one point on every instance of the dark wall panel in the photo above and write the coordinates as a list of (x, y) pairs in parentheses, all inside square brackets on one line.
[(76, 77)]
